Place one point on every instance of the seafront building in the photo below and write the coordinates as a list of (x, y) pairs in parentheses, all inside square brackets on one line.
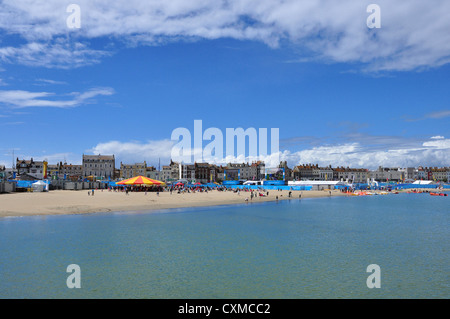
[(31, 169), (53, 171), (257, 170), (152, 172), (139, 169), (205, 172), (409, 173), (70, 171), (187, 172), (220, 174), (421, 174), (245, 171), (166, 173), (102, 167), (98, 166), (303, 172), (131, 170), (323, 173), (64, 171), (313, 172), (433, 173), (439, 173), (200, 172), (385, 174), (353, 175), (171, 172)]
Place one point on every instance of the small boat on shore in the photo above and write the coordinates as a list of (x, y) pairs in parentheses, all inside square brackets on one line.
[(362, 193), (438, 194)]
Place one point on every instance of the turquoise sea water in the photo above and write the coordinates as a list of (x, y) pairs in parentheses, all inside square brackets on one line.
[(309, 248)]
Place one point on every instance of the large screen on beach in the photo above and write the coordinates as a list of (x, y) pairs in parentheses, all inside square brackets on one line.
[(275, 174), (231, 174)]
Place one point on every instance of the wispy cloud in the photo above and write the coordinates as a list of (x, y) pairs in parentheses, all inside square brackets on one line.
[(26, 99), (47, 81), (61, 54), (327, 30), (437, 115), (11, 123)]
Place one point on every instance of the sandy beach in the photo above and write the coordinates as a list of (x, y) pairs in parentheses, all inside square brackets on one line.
[(59, 202)]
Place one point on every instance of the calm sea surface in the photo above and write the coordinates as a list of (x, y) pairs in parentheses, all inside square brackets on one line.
[(313, 248)]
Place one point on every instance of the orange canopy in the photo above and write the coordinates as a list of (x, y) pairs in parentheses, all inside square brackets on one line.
[(141, 180)]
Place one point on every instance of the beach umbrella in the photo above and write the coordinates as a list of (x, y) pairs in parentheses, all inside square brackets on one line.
[(141, 180), (179, 184)]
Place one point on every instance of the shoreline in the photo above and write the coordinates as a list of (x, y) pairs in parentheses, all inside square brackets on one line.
[(68, 202)]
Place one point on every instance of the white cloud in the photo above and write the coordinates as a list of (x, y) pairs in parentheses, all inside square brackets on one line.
[(59, 54), (440, 143), (48, 81), (24, 99), (413, 35), (131, 152), (428, 153)]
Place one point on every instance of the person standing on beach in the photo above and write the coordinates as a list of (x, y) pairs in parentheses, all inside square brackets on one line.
[(92, 192)]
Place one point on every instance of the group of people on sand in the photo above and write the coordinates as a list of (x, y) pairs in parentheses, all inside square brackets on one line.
[(134, 188)]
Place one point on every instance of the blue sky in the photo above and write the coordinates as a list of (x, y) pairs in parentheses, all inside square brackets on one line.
[(340, 93)]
